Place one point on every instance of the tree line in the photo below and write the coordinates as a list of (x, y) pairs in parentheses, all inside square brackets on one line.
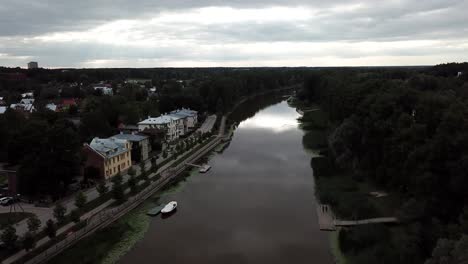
[(46, 146), (403, 129)]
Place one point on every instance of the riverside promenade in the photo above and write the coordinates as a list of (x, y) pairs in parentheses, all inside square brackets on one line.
[(102, 217)]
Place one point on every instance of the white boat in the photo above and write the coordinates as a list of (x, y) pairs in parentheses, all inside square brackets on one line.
[(204, 168), (169, 207)]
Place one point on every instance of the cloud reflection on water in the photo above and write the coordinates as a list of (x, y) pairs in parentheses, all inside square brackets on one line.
[(279, 121)]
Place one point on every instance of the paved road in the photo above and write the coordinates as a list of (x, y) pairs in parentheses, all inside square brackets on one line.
[(208, 124)]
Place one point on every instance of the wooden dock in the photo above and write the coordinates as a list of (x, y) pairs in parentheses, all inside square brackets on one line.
[(328, 222), (381, 220), (194, 165), (326, 218)]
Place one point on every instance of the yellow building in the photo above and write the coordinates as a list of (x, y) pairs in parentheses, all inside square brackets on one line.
[(110, 156)]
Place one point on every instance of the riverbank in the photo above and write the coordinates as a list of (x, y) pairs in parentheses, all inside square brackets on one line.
[(235, 212), (220, 136), (348, 195)]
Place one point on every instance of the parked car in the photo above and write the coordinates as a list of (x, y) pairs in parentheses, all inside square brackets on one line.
[(6, 201)]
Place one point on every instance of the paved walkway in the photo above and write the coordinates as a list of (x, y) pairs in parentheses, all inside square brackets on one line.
[(70, 204), (45, 213), (61, 230)]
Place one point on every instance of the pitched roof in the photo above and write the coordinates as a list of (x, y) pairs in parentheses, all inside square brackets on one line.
[(109, 147), (23, 107), (185, 112), (27, 101), (130, 137), (160, 120), (51, 107)]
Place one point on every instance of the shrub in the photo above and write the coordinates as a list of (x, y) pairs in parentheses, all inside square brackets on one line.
[(80, 200), (101, 188), (59, 213), (28, 241), (50, 228), (359, 238), (33, 223), (9, 237), (75, 216), (131, 172)]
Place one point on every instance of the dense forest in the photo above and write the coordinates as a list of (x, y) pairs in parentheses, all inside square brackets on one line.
[(404, 130), (45, 146)]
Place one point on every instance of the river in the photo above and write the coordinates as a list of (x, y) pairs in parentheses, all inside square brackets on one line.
[(256, 204)]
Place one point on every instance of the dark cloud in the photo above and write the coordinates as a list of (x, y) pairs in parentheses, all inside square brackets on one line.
[(339, 29)]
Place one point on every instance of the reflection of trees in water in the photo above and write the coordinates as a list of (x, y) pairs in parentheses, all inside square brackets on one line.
[(254, 105)]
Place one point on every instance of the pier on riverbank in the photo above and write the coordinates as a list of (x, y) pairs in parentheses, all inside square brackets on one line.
[(328, 222)]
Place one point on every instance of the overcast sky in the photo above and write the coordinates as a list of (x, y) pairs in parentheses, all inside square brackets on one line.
[(179, 33)]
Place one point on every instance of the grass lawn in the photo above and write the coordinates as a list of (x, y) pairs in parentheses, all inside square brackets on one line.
[(339, 256), (350, 199), (109, 244), (12, 218)]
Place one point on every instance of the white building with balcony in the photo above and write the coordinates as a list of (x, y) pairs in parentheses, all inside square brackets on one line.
[(190, 118), (174, 126)]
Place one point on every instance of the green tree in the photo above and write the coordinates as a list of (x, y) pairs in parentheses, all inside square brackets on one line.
[(94, 124), (132, 184), (54, 154), (33, 223), (131, 172), (50, 228), (102, 188), (28, 241), (80, 200), (73, 110), (219, 106), (117, 188), (450, 251), (75, 216), (154, 164), (9, 237), (144, 173), (59, 213)]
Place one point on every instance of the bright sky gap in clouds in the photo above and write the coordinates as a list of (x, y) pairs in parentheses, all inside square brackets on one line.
[(208, 33)]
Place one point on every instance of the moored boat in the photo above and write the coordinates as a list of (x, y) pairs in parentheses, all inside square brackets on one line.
[(169, 207), (204, 168), (155, 211)]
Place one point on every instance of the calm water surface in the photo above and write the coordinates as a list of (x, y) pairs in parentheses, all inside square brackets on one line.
[(256, 205)]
